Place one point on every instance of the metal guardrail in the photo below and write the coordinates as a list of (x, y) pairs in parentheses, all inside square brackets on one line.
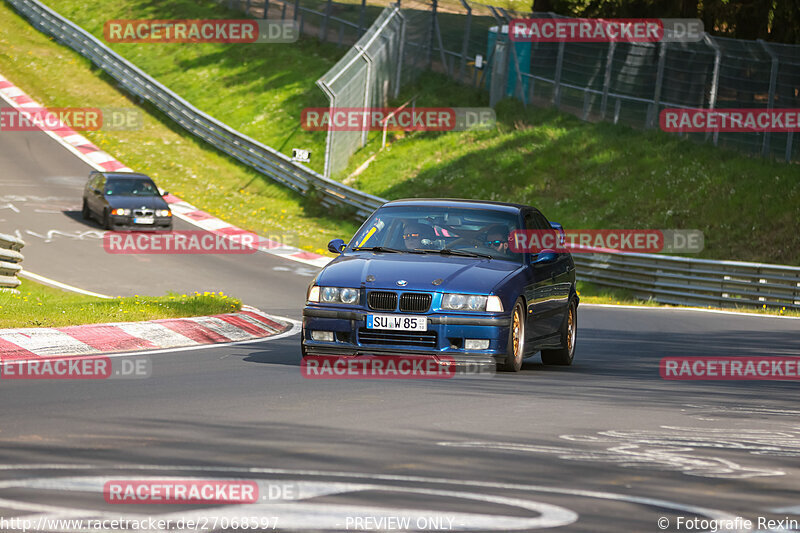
[(10, 259), (667, 279), (262, 158), (690, 281)]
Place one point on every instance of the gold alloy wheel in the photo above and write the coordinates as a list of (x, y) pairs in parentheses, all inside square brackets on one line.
[(517, 329), (570, 329)]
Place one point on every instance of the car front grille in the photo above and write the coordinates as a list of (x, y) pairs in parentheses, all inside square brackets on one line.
[(415, 302), (423, 339), (143, 212), (382, 300)]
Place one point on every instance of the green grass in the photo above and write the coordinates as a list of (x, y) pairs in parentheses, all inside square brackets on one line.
[(57, 77), (37, 305)]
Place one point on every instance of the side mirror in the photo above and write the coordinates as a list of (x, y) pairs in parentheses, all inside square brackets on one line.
[(336, 246), (545, 256)]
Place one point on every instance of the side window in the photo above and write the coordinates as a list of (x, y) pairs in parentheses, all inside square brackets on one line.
[(541, 221), (530, 222)]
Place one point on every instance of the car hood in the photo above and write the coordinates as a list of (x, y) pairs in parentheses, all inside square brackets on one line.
[(457, 274), (136, 202)]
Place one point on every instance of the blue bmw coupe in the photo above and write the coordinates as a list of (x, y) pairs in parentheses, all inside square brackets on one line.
[(437, 277)]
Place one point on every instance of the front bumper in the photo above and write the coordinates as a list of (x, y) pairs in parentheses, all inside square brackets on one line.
[(444, 339), (126, 222)]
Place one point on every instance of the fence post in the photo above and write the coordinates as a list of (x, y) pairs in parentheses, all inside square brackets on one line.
[(607, 78), (465, 45), (296, 9), (361, 16), (266, 9), (323, 30), (788, 154), (400, 52), (364, 124), (332, 99), (557, 80), (712, 95), (662, 58), (773, 79), (429, 60)]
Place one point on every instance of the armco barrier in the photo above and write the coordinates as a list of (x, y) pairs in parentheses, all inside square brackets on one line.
[(10, 261), (264, 159), (690, 281), (666, 279)]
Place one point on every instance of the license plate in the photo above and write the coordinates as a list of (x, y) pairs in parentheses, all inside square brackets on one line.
[(144, 220), (399, 322)]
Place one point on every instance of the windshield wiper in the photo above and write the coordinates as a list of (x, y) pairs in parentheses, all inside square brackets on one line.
[(449, 251), (378, 249)]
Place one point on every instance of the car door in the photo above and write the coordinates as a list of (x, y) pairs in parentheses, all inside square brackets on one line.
[(538, 290), (92, 199), (561, 282)]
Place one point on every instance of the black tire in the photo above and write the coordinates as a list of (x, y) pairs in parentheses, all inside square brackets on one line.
[(106, 220), (86, 214), (515, 350), (569, 329)]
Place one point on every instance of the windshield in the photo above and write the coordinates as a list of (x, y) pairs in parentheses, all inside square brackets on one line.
[(435, 229), (128, 187)]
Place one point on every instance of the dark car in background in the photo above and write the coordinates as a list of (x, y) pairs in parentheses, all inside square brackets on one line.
[(437, 277), (125, 200)]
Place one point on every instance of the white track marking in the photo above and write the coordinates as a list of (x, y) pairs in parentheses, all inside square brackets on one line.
[(670, 448), (608, 496), (54, 283), (295, 513)]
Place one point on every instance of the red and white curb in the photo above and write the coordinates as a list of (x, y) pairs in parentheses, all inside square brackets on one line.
[(249, 324), (102, 161)]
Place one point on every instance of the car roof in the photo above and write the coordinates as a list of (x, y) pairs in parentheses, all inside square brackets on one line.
[(459, 202), (123, 175)]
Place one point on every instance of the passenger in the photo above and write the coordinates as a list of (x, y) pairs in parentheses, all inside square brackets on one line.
[(415, 233)]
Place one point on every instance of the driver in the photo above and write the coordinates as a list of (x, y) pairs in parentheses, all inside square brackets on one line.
[(414, 233), (497, 238)]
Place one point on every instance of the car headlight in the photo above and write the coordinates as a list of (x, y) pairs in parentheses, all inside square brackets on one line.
[(348, 296), (333, 295), (464, 302), (313, 294), (163, 213), (121, 212)]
